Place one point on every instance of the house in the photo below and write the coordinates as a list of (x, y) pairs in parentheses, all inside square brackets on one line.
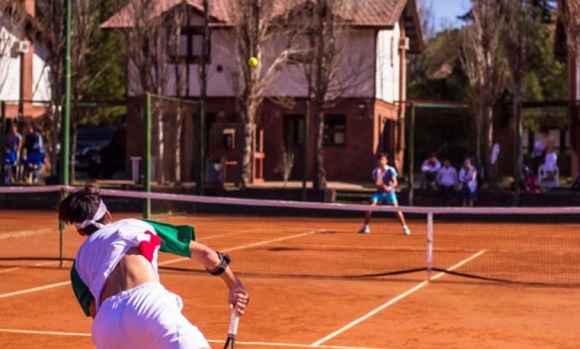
[(24, 77), (368, 116)]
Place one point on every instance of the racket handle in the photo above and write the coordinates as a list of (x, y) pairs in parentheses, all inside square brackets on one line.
[(234, 321)]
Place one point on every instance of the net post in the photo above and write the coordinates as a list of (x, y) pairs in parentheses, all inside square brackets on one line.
[(61, 226), (429, 244), (411, 146), (147, 179)]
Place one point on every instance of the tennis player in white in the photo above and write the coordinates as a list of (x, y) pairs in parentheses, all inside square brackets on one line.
[(115, 277)]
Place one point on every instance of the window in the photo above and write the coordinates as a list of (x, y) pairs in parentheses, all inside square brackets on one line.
[(334, 130), (189, 47)]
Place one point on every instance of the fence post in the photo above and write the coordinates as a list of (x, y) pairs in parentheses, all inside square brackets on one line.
[(2, 142)]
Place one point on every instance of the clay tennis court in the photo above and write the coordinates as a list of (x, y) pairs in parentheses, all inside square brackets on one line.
[(301, 274)]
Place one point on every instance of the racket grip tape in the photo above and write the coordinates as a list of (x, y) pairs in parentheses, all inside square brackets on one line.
[(234, 321)]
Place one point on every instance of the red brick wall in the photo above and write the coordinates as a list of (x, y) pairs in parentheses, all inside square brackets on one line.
[(350, 162)]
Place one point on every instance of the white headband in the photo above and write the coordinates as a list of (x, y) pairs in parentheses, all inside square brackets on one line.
[(93, 221)]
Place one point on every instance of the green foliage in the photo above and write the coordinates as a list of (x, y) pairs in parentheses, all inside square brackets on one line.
[(105, 62), (437, 73)]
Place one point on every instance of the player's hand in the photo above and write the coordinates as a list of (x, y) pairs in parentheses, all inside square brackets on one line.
[(239, 299)]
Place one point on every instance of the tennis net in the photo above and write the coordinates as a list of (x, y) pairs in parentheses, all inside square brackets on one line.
[(267, 238)]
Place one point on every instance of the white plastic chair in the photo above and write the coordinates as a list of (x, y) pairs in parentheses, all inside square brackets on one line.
[(543, 177)]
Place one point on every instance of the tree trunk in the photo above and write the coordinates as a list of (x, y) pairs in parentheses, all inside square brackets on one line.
[(160, 149), (54, 141), (319, 181), (178, 132), (246, 168), (518, 161), (489, 168)]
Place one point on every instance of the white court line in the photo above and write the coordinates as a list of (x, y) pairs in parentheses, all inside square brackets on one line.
[(29, 290), (393, 301), (288, 345), (171, 261), (28, 266), (25, 233), (166, 262)]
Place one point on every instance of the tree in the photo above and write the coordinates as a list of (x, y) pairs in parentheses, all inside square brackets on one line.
[(151, 38), (518, 39), (327, 34), (569, 12), (482, 61), (259, 23), (84, 24)]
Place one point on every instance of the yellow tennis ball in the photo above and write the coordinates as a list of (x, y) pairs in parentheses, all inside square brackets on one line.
[(253, 62)]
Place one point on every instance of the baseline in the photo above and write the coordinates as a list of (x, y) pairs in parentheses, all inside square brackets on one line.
[(287, 345)]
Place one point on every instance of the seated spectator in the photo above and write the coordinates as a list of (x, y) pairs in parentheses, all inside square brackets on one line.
[(429, 171), (447, 180), (550, 162), (538, 151), (529, 183)]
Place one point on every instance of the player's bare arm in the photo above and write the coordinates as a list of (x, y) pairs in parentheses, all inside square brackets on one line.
[(213, 261)]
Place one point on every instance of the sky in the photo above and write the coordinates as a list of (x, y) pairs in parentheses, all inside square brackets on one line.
[(446, 11)]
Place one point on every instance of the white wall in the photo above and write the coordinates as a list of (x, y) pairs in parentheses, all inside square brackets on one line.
[(387, 65), (41, 89), (354, 77), (9, 63)]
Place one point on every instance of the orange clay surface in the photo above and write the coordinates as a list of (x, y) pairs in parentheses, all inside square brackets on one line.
[(38, 309)]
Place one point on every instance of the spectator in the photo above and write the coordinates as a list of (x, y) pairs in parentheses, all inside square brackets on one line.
[(14, 146), (9, 160), (34, 161), (447, 181), (550, 163), (468, 183), (540, 146), (429, 171)]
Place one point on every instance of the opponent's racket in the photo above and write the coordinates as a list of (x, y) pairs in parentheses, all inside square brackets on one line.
[(233, 330)]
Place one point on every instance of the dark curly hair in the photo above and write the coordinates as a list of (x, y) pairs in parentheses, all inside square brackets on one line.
[(80, 205)]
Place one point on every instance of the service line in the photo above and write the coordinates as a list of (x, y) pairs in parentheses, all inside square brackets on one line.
[(394, 300)]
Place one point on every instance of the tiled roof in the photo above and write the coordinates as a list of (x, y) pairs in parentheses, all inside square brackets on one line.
[(373, 13)]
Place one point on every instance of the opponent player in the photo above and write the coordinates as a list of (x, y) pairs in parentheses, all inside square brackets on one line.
[(115, 277), (385, 178)]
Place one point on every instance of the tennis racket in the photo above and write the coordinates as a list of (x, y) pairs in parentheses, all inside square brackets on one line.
[(234, 321)]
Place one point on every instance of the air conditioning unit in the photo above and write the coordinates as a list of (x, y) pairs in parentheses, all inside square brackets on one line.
[(405, 44), (22, 46)]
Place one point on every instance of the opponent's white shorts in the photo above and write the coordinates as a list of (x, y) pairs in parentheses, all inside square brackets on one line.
[(146, 316)]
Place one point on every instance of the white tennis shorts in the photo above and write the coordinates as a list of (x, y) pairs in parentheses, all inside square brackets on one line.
[(146, 316)]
